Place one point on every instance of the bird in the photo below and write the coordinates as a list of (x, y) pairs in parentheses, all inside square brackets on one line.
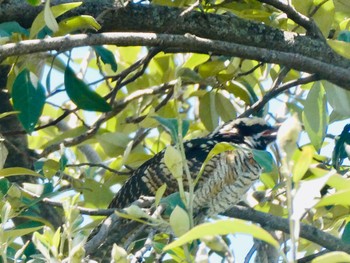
[(226, 177)]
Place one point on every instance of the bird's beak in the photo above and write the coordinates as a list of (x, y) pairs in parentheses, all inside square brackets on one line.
[(271, 134)]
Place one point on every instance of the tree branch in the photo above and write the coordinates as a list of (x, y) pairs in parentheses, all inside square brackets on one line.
[(297, 17), (277, 223), (273, 93), (188, 43), (117, 107)]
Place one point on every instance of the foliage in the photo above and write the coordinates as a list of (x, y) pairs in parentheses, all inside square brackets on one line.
[(92, 114)]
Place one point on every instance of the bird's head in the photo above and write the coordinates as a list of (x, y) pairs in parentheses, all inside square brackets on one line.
[(253, 133)]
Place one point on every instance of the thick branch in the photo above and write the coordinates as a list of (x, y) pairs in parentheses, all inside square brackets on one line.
[(187, 43), (277, 223), (161, 19), (272, 222)]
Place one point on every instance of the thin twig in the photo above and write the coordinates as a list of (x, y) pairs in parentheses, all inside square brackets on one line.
[(117, 108), (275, 92), (99, 165)]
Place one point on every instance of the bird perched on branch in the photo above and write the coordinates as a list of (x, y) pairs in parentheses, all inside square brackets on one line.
[(226, 177)]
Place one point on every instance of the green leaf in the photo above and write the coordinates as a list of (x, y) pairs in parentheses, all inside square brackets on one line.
[(119, 254), (346, 233), (13, 171), (49, 18), (106, 56), (63, 162), (34, 2), (39, 21), (315, 116), (189, 75), (12, 27), (91, 188), (344, 35), (5, 114), (339, 198), (224, 107), (179, 221), (173, 161), (339, 151), (159, 194), (75, 23), (82, 95), (337, 97), (211, 68), (171, 125), (207, 111), (14, 233), (325, 9), (240, 91), (264, 159), (333, 257), (338, 182), (217, 149), (302, 161), (28, 97), (4, 186), (341, 47), (171, 201), (50, 168), (223, 227)]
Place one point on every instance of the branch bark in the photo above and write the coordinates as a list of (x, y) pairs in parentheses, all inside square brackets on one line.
[(235, 37), (187, 43)]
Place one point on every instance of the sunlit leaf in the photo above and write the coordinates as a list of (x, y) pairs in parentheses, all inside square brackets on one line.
[(13, 171), (119, 255), (341, 47), (308, 194), (302, 161), (315, 117), (49, 18), (39, 22), (3, 153), (332, 257), (224, 107), (207, 111), (82, 95), (338, 182), (28, 98), (341, 197), (223, 227), (5, 114), (326, 9), (179, 221), (14, 233), (50, 168), (217, 149), (75, 23), (173, 161), (159, 194)]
